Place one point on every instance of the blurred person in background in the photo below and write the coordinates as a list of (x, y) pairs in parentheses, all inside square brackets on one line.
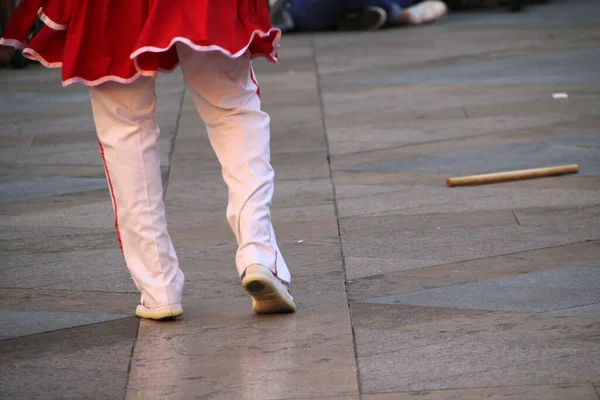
[(7, 9), (317, 15), (8, 54)]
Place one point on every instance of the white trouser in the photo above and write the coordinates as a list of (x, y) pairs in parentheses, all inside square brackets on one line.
[(226, 96)]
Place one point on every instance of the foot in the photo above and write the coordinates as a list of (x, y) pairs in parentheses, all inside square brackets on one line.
[(170, 311), (269, 294), (369, 19), (427, 11)]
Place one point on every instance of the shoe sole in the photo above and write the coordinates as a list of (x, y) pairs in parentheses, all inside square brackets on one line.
[(159, 316), (267, 297)]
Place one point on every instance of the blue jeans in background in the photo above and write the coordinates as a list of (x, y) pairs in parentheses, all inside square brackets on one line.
[(317, 15)]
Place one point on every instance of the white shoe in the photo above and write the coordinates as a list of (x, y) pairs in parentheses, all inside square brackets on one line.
[(427, 11), (269, 294), (170, 311)]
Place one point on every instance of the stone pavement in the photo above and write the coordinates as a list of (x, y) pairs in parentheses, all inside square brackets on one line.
[(406, 289)]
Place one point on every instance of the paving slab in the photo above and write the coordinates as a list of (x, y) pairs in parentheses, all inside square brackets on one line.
[(582, 149), (83, 362), (392, 342), (552, 69), (532, 292), (444, 246), (68, 301), (412, 280), (354, 138), (17, 323), (411, 200), (52, 269), (19, 190), (545, 392)]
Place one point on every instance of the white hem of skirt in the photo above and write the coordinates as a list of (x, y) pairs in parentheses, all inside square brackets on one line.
[(34, 55)]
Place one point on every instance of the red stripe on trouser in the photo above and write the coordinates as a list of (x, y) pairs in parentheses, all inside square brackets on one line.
[(112, 194)]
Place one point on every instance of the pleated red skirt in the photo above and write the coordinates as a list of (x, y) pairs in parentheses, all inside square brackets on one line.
[(95, 41)]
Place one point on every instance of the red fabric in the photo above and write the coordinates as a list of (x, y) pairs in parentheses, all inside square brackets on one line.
[(99, 40), (23, 19)]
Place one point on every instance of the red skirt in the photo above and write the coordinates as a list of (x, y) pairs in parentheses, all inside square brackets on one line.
[(95, 41)]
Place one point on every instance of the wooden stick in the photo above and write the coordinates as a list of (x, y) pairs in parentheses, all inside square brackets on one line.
[(512, 175)]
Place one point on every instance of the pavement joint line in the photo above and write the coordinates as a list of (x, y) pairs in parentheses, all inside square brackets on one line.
[(123, 316), (390, 211), (474, 259), (394, 388), (457, 139), (335, 206), (567, 308), (480, 388), (131, 358), (516, 218)]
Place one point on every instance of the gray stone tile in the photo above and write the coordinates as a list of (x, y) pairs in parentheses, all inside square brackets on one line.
[(412, 280), (532, 292), (15, 141), (379, 253), (306, 165), (264, 346), (554, 69), (542, 392), (412, 200), (394, 223), (478, 100), (590, 310), (76, 270), (95, 215), (20, 323), (479, 345), (12, 102), (388, 321), (22, 189), (539, 216), (52, 243), (85, 362), (582, 149), (110, 282), (69, 301), (376, 136), (464, 143), (15, 232), (477, 360)]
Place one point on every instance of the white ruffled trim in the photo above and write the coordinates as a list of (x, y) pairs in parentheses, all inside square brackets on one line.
[(34, 55), (107, 78), (189, 43), (11, 43), (49, 22)]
